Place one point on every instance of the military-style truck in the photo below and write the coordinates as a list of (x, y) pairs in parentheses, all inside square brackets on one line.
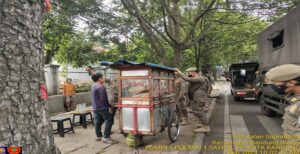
[(278, 44), (243, 80)]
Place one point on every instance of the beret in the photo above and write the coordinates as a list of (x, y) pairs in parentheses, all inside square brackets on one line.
[(283, 72)]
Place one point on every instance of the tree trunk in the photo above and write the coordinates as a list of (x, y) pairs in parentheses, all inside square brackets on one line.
[(48, 57), (206, 58), (198, 62), (197, 50), (177, 56), (23, 118)]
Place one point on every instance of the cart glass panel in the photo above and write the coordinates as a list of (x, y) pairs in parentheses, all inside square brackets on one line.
[(164, 87), (135, 88), (135, 73), (172, 88), (171, 75), (164, 74), (135, 102), (155, 73), (155, 88), (143, 115), (127, 118)]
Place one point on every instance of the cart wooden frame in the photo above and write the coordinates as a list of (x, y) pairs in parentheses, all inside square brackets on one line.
[(153, 110)]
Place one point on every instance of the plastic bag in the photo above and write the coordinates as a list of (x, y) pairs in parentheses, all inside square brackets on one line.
[(43, 92)]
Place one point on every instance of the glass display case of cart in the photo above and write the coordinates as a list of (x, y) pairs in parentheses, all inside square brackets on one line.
[(145, 93)]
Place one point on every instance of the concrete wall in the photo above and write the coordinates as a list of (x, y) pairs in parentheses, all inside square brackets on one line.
[(52, 80), (79, 74), (56, 102)]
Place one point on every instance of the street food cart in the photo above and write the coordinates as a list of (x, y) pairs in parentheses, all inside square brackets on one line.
[(146, 100)]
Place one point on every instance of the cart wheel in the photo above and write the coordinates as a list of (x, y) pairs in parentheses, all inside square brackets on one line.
[(173, 125)]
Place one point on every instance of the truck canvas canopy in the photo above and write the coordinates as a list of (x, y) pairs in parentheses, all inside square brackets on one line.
[(280, 43)]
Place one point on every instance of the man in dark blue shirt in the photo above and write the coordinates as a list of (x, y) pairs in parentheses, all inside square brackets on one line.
[(102, 109)]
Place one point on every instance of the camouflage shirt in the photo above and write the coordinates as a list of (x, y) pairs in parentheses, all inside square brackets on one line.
[(291, 123), (181, 88), (112, 91), (197, 85)]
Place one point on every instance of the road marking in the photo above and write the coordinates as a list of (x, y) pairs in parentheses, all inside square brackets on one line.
[(227, 128), (241, 136), (270, 125), (272, 128)]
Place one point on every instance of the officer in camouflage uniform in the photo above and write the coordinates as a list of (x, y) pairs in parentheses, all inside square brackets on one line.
[(208, 88), (286, 79), (197, 89), (113, 93), (181, 91), (210, 84)]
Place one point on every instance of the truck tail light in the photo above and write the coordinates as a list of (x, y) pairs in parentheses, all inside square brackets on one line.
[(241, 93)]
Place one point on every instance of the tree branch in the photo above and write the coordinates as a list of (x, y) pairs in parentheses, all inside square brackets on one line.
[(142, 19), (166, 28), (132, 9), (235, 23), (168, 10), (199, 15)]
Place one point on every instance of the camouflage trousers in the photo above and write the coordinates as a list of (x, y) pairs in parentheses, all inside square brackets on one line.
[(198, 110), (182, 104)]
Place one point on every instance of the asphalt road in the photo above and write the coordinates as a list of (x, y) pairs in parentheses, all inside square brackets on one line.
[(240, 127)]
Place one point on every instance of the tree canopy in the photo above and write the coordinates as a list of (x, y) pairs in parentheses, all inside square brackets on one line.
[(180, 33)]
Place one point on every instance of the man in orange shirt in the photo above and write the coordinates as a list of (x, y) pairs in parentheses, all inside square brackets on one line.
[(69, 92)]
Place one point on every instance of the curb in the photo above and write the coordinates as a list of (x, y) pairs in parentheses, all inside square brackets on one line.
[(198, 141)]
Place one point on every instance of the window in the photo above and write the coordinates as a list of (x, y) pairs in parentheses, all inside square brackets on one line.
[(277, 39)]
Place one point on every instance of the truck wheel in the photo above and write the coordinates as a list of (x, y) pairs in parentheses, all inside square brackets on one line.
[(264, 109)]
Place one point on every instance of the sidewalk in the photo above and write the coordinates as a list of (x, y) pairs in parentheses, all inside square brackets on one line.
[(83, 141)]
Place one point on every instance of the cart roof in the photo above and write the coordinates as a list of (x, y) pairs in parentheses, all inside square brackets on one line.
[(119, 63)]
